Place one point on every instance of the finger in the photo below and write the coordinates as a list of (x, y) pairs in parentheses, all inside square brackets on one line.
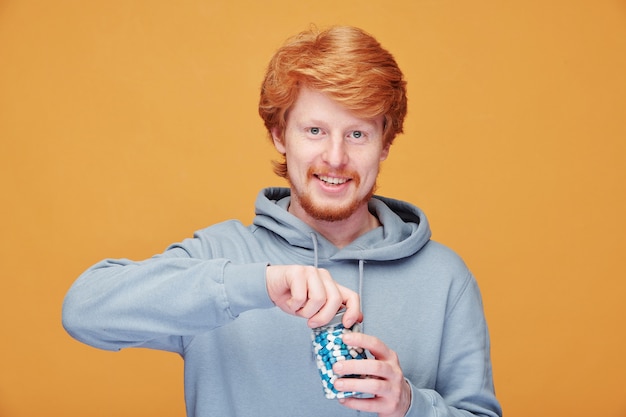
[(352, 302), (390, 399), (373, 386), (365, 367), (368, 405), (332, 300), (387, 389), (383, 378), (338, 297), (297, 289), (316, 295), (371, 343), (385, 365)]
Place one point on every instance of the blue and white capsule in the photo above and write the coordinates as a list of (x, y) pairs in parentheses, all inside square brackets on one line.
[(329, 348)]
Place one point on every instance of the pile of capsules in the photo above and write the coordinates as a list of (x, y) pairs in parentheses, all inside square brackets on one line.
[(329, 348)]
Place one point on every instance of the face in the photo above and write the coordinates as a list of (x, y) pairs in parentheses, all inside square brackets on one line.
[(333, 158)]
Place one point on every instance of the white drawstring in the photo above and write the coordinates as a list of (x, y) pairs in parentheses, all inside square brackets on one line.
[(361, 269)]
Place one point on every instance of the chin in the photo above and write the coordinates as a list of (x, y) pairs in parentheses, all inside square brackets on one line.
[(331, 212)]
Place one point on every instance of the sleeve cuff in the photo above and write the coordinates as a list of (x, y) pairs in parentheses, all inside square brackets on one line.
[(246, 287)]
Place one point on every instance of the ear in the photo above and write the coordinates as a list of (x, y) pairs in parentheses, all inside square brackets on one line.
[(277, 138), (385, 152)]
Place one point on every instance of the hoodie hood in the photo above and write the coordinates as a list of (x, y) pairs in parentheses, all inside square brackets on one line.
[(404, 229)]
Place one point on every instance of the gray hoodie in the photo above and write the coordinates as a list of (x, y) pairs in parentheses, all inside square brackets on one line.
[(205, 298)]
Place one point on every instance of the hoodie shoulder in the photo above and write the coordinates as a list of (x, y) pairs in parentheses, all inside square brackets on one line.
[(218, 240)]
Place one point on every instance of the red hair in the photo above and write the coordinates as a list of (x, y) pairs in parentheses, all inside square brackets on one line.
[(348, 65)]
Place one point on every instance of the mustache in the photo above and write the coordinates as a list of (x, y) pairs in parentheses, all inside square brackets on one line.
[(342, 173)]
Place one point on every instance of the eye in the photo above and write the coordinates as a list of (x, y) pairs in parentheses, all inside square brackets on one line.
[(357, 135), (315, 130)]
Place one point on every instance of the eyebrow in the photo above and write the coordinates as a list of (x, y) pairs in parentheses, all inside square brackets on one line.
[(362, 124)]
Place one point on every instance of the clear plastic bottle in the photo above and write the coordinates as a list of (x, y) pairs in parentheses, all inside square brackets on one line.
[(329, 348)]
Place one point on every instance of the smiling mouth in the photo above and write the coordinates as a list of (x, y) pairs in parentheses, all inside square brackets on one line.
[(332, 180)]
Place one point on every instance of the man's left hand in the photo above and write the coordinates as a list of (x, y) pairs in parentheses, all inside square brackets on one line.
[(385, 380)]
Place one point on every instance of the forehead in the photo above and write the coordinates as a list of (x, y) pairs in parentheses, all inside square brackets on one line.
[(315, 106)]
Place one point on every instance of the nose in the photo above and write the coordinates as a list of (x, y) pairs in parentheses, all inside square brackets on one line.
[(335, 154)]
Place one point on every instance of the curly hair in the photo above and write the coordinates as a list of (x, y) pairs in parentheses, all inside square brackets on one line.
[(343, 62)]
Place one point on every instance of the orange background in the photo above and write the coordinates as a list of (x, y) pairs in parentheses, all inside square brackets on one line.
[(127, 125)]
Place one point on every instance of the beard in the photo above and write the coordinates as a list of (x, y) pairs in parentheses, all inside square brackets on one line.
[(331, 212)]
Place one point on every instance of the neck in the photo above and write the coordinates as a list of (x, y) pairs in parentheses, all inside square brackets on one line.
[(342, 232)]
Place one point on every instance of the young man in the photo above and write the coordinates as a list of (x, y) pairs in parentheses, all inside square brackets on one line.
[(238, 302)]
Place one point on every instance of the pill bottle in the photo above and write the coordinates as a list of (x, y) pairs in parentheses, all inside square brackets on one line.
[(329, 348)]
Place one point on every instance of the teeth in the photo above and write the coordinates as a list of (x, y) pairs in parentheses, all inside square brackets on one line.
[(333, 180)]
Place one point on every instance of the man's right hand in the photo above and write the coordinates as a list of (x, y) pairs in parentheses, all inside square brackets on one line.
[(310, 292)]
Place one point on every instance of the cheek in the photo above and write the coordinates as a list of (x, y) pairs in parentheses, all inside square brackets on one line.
[(370, 173), (300, 153), (371, 164), (298, 161)]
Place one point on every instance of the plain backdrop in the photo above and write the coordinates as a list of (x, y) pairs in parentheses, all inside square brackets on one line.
[(126, 125)]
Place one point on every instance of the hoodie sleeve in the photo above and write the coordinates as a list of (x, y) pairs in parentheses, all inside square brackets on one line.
[(464, 378), (154, 303)]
